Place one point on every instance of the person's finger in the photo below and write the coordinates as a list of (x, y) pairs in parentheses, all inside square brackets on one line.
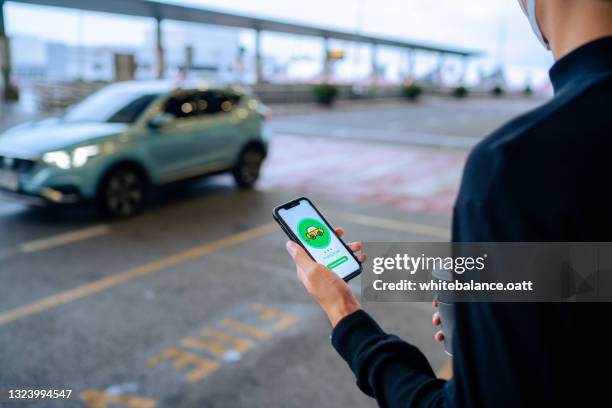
[(434, 303), (436, 319), (355, 246), (300, 257), (439, 336), (339, 231), (361, 257)]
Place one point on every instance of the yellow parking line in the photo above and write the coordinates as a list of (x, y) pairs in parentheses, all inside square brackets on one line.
[(131, 274), (267, 314), (63, 239), (446, 372), (99, 398), (246, 329), (376, 222), (200, 366)]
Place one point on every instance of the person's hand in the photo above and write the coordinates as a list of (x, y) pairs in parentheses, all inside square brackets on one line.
[(328, 289), (439, 336)]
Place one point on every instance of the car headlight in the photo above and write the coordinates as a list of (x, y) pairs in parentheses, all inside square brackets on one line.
[(76, 158), (60, 159), (80, 155)]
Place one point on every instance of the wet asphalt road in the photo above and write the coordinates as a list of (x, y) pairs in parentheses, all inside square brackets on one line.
[(194, 301)]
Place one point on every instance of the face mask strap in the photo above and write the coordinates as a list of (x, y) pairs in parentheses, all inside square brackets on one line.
[(523, 7), (531, 13)]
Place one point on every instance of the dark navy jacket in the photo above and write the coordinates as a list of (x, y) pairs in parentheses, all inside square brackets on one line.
[(545, 176)]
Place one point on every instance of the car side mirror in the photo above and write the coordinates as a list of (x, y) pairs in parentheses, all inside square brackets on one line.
[(160, 121)]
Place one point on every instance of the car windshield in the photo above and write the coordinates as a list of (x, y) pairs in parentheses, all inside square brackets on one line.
[(112, 104)]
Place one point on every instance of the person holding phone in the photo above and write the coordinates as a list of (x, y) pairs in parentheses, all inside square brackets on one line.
[(541, 177)]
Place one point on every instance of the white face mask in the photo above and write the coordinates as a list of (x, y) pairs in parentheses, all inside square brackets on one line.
[(529, 8)]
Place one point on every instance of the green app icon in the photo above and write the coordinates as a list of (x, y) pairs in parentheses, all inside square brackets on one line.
[(314, 233)]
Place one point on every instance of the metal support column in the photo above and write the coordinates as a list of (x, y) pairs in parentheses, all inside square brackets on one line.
[(374, 62), (464, 68), (159, 49), (326, 61), (440, 69), (410, 69), (258, 70), (5, 59)]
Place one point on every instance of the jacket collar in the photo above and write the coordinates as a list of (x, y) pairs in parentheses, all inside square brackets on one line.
[(586, 63)]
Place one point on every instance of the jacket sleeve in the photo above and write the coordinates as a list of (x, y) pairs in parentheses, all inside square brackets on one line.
[(387, 368)]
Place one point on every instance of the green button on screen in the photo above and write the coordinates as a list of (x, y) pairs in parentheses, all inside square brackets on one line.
[(337, 262)]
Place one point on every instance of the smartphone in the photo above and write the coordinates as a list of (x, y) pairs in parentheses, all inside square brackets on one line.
[(304, 224)]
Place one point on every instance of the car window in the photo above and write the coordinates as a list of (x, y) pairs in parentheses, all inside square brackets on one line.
[(182, 106), (201, 103), (114, 102), (212, 102), (132, 111)]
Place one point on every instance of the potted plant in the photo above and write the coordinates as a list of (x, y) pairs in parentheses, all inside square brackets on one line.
[(325, 93), (412, 91), (497, 91), (460, 92)]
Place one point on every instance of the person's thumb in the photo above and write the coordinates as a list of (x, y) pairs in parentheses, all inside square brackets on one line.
[(300, 257)]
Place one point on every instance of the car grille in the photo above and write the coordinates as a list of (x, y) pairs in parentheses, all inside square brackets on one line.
[(15, 164)]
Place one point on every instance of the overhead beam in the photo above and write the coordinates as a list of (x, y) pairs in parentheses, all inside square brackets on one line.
[(154, 9)]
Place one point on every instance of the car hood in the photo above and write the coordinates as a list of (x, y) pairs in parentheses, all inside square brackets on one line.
[(34, 139)]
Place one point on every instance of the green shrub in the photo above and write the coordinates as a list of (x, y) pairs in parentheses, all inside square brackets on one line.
[(460, 92), (528, 91), (497, 91), (325, 93), (412, 91)]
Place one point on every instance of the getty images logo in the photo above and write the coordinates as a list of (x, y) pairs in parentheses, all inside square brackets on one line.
[(413, 264)]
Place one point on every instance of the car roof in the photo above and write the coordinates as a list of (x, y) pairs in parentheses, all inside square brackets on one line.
[(165, 86)]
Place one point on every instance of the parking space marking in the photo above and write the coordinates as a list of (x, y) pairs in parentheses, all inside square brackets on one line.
[(218, 343), (201, 366), (420, 229), (246, 329), (55, 241), (101, 399), (267, 314), (221, 345), (214, 348), (63, 239), (108, 282), (182, 257)]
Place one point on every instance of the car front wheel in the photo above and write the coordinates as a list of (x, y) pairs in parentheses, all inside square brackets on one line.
[(247, 169), (122, 193)]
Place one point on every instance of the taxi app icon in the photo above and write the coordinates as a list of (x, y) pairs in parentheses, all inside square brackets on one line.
[(314, 232)]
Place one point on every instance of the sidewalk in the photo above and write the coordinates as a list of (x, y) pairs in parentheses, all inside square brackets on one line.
[(385, 103)]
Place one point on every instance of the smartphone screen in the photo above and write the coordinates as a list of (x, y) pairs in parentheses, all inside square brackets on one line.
[(317, 237)]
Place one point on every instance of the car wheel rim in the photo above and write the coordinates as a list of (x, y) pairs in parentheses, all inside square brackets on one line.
[(251, 163), (124, 193)]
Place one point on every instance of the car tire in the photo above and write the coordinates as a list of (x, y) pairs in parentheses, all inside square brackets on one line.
[(122, 193), (246, 171)]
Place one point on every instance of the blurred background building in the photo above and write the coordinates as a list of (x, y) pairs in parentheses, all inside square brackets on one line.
[(52, 47)]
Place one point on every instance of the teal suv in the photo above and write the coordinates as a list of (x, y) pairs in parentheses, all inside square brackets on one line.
[(112, 147)]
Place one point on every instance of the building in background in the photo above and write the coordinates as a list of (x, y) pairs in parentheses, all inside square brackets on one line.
[(191, 51)]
